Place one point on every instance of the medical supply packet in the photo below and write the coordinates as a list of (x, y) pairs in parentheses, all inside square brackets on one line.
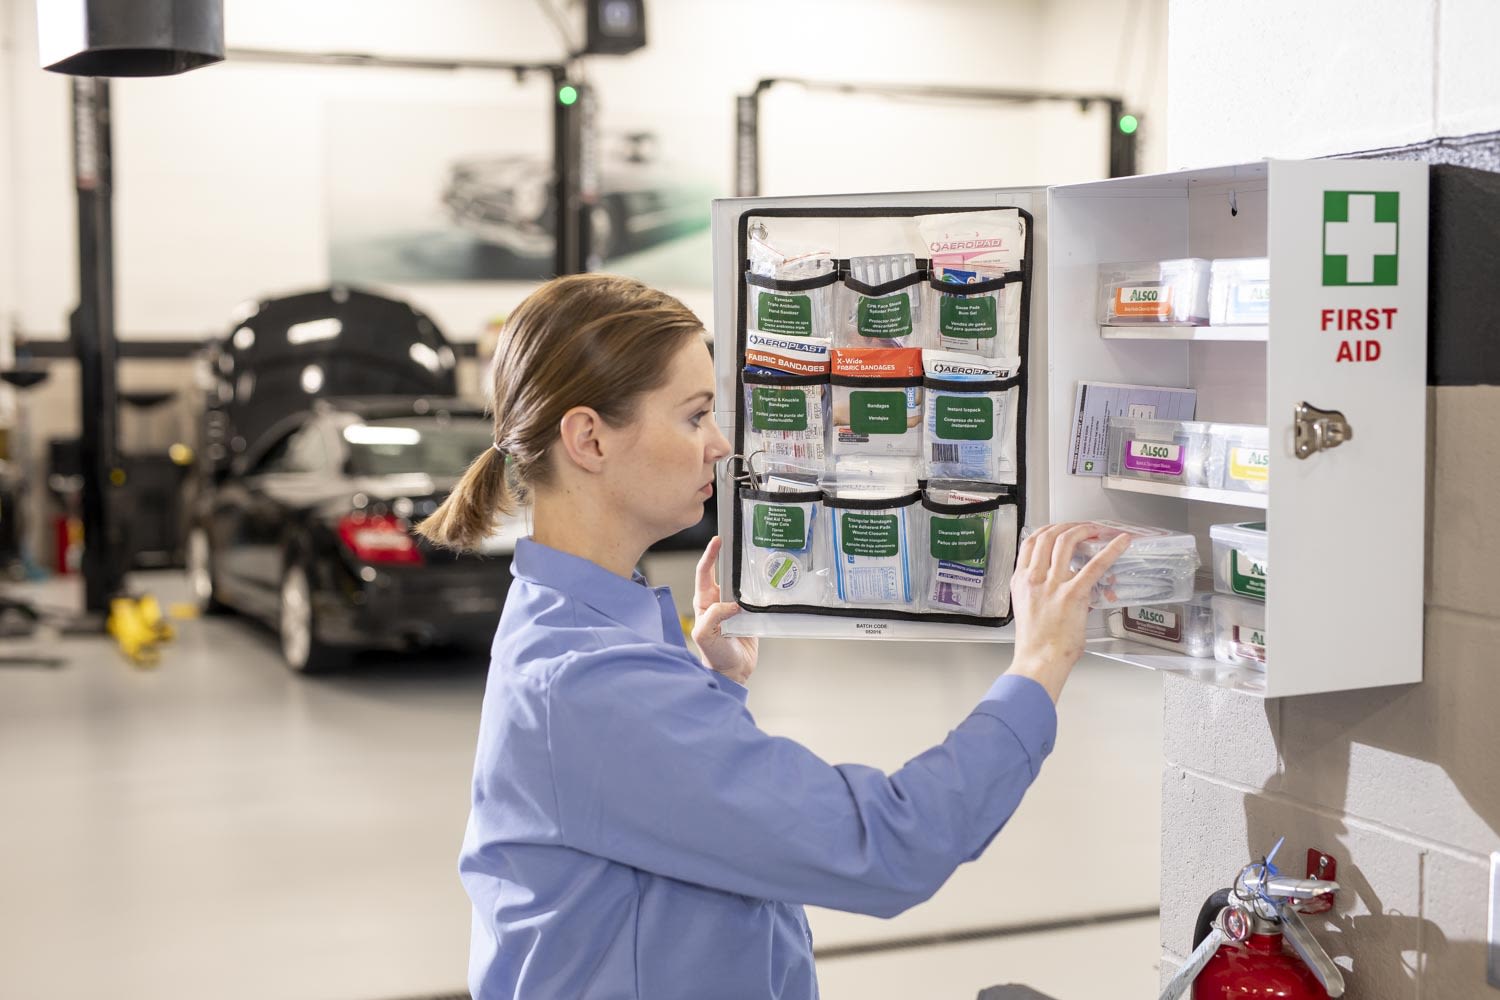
[(1156, 568), (882, 302), (786, 420), (877, 402), (975, 261), (971, 414), (782, 557), (969, 550), (872, 548)]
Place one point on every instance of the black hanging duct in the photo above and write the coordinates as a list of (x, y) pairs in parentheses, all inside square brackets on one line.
[(129, 37)]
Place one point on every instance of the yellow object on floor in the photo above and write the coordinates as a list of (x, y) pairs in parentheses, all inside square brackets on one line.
[(139, 629)]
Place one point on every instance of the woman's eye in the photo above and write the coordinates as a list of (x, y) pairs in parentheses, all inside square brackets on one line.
[(698, 418)]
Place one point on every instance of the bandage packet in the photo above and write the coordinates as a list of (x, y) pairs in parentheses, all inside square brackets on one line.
[(971, 408), (877, 402), (786, 420), (975, 272), (782, 559), (969, 551), (882, 303), (872, 549), (1157, 567)]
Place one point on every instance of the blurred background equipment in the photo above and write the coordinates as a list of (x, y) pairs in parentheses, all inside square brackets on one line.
[(129, 37), (615, 27)]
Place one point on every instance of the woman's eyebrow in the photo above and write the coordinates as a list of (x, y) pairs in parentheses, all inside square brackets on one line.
[(706, 394)]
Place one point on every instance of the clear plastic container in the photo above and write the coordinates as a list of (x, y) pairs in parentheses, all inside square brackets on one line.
[(1162, 451), (1157, 568), (1182, 628), (1154, 291), (1240, 559), (1246, 462), (1239, 631), (1240, 292)]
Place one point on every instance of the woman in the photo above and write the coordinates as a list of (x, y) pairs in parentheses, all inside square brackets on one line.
[(633, 834)]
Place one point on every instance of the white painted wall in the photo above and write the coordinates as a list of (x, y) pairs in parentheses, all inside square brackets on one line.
[(1259, 78), (220, 175)]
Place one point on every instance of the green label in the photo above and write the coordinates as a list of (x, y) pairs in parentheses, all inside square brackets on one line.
[(774, 409), (960, 539), (774, 527), (789, 315), (877, 411), (873, 536), (965, 418), (1247, 577), (884, 318), (970, 317)]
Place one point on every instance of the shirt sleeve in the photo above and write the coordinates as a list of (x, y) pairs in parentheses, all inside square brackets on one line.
[(655, 766)]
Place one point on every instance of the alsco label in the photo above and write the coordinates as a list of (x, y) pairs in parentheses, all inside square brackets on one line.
[(1250, 465), (1249, 643), (1139, 301), (1155, 623), (1154, 456), (1247, 577)]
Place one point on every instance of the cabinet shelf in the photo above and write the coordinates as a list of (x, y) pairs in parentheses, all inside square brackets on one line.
[(1204, 669), (1234, 498), (1172, 332), (804, 626)]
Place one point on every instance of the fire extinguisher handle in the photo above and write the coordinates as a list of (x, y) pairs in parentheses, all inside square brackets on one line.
[(1307, 948), (1178, 985)]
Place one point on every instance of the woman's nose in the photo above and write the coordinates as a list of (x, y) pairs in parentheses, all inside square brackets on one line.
[(719, 447)]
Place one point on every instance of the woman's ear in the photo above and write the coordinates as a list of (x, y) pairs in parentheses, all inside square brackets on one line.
[(579, 436)]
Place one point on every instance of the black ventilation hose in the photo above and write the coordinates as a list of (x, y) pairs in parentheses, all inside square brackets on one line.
[(1211, 907)]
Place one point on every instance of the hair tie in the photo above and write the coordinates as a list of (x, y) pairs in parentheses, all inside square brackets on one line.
[(496, 446)]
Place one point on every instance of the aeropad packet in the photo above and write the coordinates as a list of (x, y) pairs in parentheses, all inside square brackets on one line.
[(975, 265)]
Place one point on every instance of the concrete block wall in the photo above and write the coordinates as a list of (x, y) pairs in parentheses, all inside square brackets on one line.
[(1398, 783)]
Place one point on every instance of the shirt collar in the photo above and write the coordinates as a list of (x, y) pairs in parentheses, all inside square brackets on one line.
[(632, 602)]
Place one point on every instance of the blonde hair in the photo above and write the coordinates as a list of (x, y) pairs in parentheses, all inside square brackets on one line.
[(594, 340)]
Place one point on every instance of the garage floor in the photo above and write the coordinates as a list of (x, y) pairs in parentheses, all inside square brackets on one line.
[(217, 827)]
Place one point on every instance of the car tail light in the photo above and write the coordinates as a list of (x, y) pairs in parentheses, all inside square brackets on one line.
[(379, 539)]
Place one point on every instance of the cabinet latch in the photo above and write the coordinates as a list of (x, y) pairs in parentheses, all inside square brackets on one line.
[(1319, 430)]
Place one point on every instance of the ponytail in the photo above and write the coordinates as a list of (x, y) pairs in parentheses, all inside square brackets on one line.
[(467, 517)]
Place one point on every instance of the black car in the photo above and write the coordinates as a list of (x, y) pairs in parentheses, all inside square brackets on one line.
[(309, 531)]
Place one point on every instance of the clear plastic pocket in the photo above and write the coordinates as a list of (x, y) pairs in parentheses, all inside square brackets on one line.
[(970, 430), (877, 403), (888, 314), (980, 318), (871, 546), (1182, 452), (786, 421), (800, 308), (782, 557), (968, 551)]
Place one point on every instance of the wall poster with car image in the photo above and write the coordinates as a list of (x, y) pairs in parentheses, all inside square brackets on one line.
[(880, 391), (455, 192)]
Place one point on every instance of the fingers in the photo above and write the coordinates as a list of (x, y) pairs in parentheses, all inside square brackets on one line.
[(1094, 570), (711, 620), (1039, 558), (1066, 544), (706, 588)]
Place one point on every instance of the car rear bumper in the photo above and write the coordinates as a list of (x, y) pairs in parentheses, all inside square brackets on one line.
[(418, 606)]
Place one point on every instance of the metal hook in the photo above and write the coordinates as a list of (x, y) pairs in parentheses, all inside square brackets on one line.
[(759, 231), (1234, 203)]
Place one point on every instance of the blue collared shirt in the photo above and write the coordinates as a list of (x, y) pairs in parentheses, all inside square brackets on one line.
[(635, 836)]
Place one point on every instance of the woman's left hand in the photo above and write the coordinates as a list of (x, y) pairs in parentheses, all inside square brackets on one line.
[(732, 656)]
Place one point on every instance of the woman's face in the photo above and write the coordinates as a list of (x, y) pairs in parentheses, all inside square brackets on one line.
[(670, 450)]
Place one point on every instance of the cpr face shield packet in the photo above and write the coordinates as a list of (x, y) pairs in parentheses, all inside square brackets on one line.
[(781, 554), (882, 303), (976, 283), (871, 549), (968, 552), (877, 402), (971, 416)]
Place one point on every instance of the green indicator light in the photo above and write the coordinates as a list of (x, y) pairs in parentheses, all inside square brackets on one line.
[(1129, 123), (569, 97)]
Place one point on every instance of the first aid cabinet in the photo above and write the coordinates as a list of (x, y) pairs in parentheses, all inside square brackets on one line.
[(1337, 375)]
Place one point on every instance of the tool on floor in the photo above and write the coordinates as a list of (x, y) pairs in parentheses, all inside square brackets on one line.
[(139, 629), (1240, 943)]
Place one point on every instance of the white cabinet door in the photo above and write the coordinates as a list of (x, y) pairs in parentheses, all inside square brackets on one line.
[(1348, 249)]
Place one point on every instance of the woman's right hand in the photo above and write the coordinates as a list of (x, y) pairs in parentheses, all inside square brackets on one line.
[(1051, 602)]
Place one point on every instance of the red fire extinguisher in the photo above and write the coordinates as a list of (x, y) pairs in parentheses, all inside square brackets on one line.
[(1240, 946)]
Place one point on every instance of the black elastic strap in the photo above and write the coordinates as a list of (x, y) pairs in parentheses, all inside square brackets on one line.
[(975, 287), (875, 381), (968, 507), (797, 285), (761, 378), (964, 386), (886, 288), (771, 496), (871, 503)]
